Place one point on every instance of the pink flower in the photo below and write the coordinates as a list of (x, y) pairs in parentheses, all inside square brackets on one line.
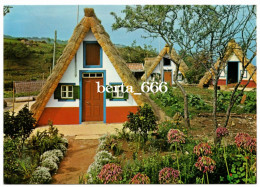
[(244, 141), (110, 173), (205, 164), (202, 149), (174, 135), (168, 176), (222, 132), (140, 178)]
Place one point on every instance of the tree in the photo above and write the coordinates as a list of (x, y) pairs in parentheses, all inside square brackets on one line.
[(212, 29), (19, 126), (136, 54), (156, 21), (7, 9)]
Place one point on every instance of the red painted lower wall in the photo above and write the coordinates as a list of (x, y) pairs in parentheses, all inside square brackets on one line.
[(251, 84), (222, 82), (59, 115), (119, 114)]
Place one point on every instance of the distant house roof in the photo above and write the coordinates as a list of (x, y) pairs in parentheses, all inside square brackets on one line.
[(151, 63), (135, 67)]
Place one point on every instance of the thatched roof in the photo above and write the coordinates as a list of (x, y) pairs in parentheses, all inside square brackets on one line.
[(233, 48), (152, 63), (135, 67), (88, 22)]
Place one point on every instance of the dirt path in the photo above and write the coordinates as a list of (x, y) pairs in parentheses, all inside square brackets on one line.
[(79, 156)]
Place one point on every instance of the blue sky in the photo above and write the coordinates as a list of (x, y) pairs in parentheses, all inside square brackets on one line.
[(41, 21)]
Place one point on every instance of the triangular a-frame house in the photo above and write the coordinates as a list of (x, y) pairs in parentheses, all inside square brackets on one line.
[(70, 95), (163, 68), (232, 69)]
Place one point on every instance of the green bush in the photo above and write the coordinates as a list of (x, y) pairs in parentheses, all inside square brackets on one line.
[(20, 125), (11, 175), (45, 140), (41, 176), (49, 154), (50, 164), (101, 158), (142, 121)]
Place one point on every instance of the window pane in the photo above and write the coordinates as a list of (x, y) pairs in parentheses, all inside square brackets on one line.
[(70, 88), (70, 94), (63, 88), (92, 54), (99, 75), (121, 94), (114, 94), (63, 94), (92, 75)]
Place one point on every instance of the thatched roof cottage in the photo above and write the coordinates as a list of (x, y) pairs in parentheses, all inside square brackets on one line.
[(70, 95), (162, 68), (232, 69)]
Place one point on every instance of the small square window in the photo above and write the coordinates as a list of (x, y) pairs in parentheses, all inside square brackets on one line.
[(166, 62), (66, 91), (117, 92)]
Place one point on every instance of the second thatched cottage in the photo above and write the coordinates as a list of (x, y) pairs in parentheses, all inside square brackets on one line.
[(70, 95), (161, 68)]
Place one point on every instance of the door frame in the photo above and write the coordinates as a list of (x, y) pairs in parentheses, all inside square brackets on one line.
[(237, 71), (104, 93)]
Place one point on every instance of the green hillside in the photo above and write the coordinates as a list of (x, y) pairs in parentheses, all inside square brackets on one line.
[(27, 60)]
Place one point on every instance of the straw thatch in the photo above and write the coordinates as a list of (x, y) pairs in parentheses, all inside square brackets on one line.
[(152, 63), (233, 48), (88, 22)]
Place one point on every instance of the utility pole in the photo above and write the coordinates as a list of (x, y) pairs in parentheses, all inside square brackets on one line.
[(54, 49), (76, 52)]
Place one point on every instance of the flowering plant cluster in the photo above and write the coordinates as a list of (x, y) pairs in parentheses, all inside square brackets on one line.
[(140, 178), (202, 149), (205, 164), (244, 141), (175, 135), (169, 176), (110, 173), (222, 132)]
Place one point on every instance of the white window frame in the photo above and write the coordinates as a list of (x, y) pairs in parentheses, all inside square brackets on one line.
[(66, 91), (117, 92)]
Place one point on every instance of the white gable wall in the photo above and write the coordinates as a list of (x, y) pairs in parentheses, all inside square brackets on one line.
[(160, 69), (69, 77), (234, 58)]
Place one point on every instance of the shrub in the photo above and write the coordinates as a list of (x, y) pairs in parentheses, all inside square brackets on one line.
[(50, 164), (10, 160), (20, 125), (58, 153), (49, 155), (63, 148), (140, 178), (41, 176), (169, 176), (110, 173), (45, 140), (101, 158), (142, 121), (64, 141)]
